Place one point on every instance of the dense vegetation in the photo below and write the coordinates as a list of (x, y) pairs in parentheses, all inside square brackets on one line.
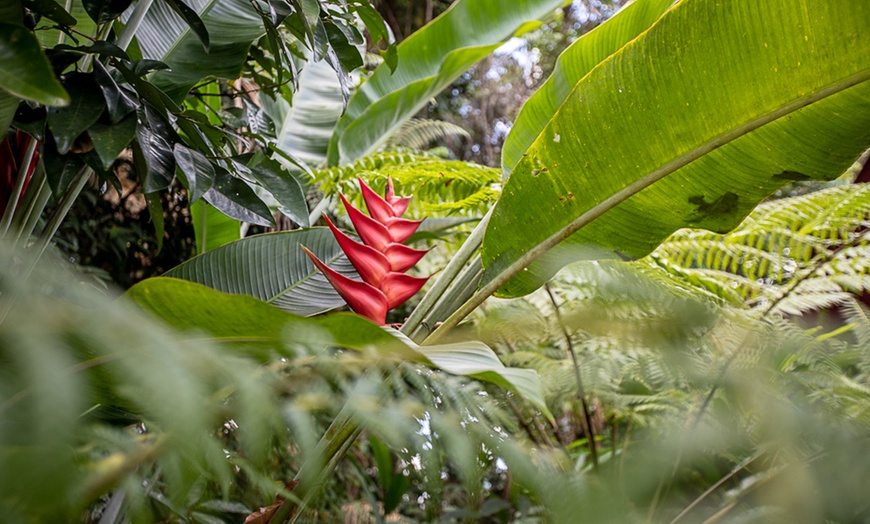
[(651, 309)]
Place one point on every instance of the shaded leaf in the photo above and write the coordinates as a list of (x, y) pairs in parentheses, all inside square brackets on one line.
[(155, 210), (102, 11), (156, 137), (236, 199), (193, 21), (110, 140), (60, 170), (285, 187), (51, 10), (85, 107), (25, 71), (196, 169), (118, 103)]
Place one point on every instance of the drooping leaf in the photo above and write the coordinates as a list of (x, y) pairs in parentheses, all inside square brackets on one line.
[(60, 170), (85, 107), (25, 71), (428, 61), (118, 103), (100, 47), (273, 268), (193, 21), (155, 137), (196, 169), (102, 11), (236, 199), (110, 140), (51, 10), (661, 136), (285, 187)]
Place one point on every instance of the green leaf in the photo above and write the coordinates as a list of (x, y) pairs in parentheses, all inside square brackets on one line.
[(193, 21), (8, 105), (85, 107), (110, 140), (155, 137), (212, 228), (155, 209), (25, 71), (285, 187), (51, 10), (572, 65), (428, 61), (232, 26), (232, 318), (196, 169), (236, 199), (118, 102), (273, 268), (102, 11), (661, 135)]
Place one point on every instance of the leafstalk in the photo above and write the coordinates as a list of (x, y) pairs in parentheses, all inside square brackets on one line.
[(18, 187), (133, 23)]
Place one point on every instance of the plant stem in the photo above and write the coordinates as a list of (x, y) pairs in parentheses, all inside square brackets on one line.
[(17, 189), (133, 23), (461, 289), (447, 276), (36, 205), (60, 213), (581, 394)]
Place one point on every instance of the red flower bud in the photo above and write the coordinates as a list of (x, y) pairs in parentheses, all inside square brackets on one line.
[(381, 259)]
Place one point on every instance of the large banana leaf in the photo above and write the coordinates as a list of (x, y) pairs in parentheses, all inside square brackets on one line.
[(690, 125), (240, 319), (232, 26), (273, 268), (429, 60), (571, 66)]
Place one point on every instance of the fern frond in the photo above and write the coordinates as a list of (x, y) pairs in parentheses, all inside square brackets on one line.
[(418, 133), (799, 254), (438, 186)]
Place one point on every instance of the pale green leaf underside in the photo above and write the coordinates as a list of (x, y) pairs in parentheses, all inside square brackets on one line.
[(429, 60), (273, 268), (680, 113), (232, 26)]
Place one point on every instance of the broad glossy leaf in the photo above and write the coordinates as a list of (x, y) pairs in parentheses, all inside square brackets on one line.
[(212, 228), (690, 125), (429, 60), (85, 107), (110, 140), (196, 169), (24, 70), (193, 21), (572, 65), (232, 26), (284, 186), (236, 199), (102, 11), (156, 136), (51, 10), (60, 170), (251, 322), (273, 268), (118, 102)]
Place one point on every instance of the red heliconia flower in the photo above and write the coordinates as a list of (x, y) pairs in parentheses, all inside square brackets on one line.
[(381, 259), (12, 152)]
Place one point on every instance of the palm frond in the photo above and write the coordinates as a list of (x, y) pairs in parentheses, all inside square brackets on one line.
[(418, 134)]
